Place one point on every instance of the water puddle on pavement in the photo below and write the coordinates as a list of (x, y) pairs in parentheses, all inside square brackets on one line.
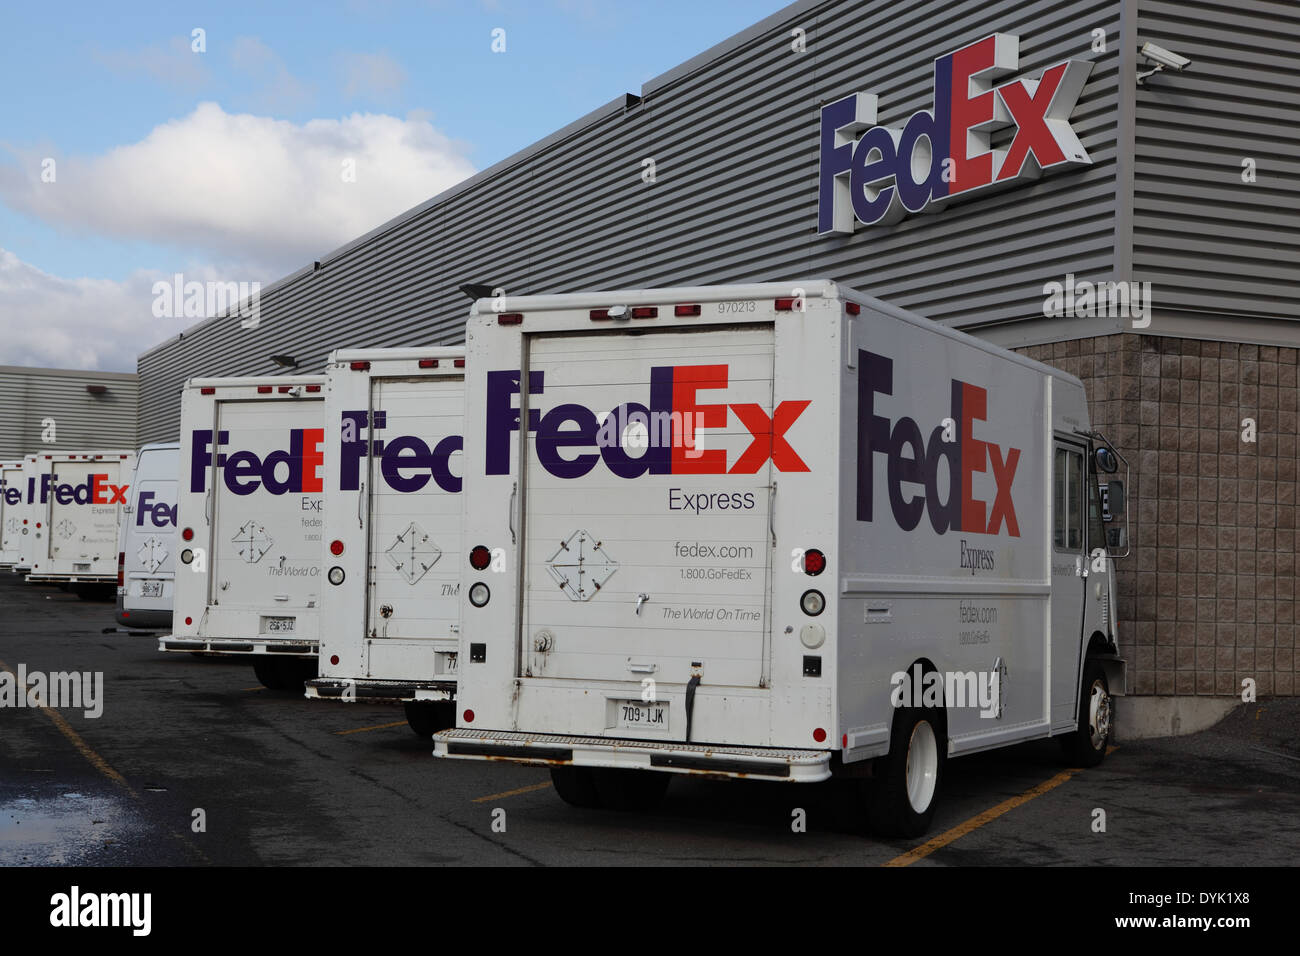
[(67, 829)]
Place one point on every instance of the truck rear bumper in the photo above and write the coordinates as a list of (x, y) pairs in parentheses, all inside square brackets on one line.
[(69, 578), (228, 645), (762, 763), (380, 691)]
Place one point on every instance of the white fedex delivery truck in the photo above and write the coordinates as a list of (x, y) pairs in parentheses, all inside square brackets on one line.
[(146, 553), (11, 511), (252, 481), (779, 532), (390, 609), (78, 499)]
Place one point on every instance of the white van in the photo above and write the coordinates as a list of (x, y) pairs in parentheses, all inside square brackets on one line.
[(146, 560), (252, 480), (78, 499), (777, 532), (390, 612), (12, 494)]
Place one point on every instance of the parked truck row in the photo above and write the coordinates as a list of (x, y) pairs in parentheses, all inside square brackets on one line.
[(781, 532)]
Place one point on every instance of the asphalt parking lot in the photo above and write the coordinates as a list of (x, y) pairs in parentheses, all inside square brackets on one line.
[(281, 780)]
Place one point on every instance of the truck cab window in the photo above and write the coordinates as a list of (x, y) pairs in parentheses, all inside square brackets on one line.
[(1067, 500)]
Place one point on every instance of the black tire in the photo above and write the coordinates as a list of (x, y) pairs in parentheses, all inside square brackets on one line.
[(271, 673), (635, 791), (427, 717), (576, 786), (905, 788), (1086, 746)]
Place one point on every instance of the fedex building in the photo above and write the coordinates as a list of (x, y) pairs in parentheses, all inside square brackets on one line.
[(1109, 186)]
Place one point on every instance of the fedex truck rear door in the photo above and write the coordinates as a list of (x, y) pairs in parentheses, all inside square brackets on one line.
[(87, 493), (647, 545), (12, 491)]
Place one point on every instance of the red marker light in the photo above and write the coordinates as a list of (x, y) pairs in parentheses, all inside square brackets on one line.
[(336, 547), (819, 735), (480, 557), (207, 390), (359, 366), (334, 658), (469, 716), (645, 312), (264, 390), (459, 363), (188, 534), (428, 363), (283, 389), (313, 388), (814, 562), (682, 311), (189, 620), (846, 742), (510, 318), (785, 305)]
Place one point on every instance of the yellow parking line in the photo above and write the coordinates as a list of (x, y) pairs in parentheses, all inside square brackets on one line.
[(362, 730), (512, 793), (258, 687), (977, 821)]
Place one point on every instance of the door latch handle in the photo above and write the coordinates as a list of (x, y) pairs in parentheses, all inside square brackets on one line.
[(641, 599)]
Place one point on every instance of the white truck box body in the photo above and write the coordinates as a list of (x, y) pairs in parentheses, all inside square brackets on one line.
[(389, 630), (78, 499), (251, 500), (819, 425), (147, 546), (12, 510), (25, 520)]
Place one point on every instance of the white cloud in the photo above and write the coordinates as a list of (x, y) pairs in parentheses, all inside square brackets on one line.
[(102, 324), (244, 187), (374, 75)]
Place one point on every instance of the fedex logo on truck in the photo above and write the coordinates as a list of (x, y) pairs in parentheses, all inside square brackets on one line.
[(912, 460), (160, 514), (946, 153), (670, 419), (95, 490), (397, 456), (296, 469)]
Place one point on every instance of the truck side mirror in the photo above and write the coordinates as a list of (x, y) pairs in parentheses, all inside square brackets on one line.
[(1117, 538), (1115, 496), (1107, 461)]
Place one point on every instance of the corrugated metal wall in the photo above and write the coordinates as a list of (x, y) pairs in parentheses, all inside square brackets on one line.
[(82, 420), (1211, 244), (733, 134)]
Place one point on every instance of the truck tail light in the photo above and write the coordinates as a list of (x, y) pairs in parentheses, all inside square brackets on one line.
[(510, 318), (188, 534), (480, 556), (121, 568), (785, 305), (683, 311), (459, 363), (336, 548), (469, 716), (852, 308), (428, 363), (359, 366), (189, 620), (814, 562), (645, 312)]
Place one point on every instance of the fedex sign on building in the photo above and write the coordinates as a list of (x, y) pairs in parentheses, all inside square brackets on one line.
[(878, 174)]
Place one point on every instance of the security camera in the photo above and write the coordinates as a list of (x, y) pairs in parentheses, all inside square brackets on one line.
[(1162, 59)]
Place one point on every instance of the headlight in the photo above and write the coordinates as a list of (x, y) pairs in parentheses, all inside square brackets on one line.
[(187, 556), (336, 575), (479, 594), (812, 603)]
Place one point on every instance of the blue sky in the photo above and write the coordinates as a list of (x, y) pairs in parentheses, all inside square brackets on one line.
[(224, 163)]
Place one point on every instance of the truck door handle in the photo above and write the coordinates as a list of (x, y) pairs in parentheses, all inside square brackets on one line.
[(514, 491), (361, 496), (641, 599)]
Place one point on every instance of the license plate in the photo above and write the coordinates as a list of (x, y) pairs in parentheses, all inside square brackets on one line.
[(638, 715), (278, 625), (151, 589)]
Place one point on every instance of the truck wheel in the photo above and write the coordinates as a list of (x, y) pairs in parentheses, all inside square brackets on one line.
[(427, 717), (576, 786), (633, 790), (1086, 745), (271, 673), (907, 778)]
